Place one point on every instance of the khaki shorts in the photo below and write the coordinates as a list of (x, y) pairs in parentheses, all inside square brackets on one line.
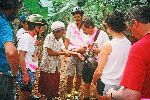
[(74, 66)]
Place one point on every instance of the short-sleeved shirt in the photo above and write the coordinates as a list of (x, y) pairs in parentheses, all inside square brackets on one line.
[(101, 39), (76, 37), (6, 35), (51, 64), (20, 33), (137, 71), (28, 43)]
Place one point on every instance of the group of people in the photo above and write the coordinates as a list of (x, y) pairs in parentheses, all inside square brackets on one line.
[(117, 69)]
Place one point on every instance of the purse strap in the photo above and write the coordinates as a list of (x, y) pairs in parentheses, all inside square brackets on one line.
[(97, 33)]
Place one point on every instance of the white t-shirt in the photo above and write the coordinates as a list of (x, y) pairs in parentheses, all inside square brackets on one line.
[(101, 39), (20, 33), (27, 43), (77, 37)]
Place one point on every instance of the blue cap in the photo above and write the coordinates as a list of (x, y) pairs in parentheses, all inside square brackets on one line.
[(22, 18)]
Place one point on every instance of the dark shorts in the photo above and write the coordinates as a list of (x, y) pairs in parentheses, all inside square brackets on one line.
[(100, 87), (7, 88), (22, 86), (87, 72)]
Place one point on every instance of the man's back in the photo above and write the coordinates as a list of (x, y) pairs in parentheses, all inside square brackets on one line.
[(5, 36), (138, 78)]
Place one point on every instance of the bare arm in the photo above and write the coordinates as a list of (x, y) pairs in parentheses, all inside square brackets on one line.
[(128, 94), (54, 53), (75, 52), (12, 57), (105, 51), (25, 76), (125, 94), (22, 61), (80, 50)]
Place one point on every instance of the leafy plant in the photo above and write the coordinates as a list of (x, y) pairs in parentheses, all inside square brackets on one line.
[(95, 9)]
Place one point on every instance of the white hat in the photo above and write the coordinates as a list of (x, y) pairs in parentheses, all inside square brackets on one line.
[(57, 25)]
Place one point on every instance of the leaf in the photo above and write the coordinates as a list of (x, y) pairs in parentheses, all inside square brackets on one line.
[(64, 8)]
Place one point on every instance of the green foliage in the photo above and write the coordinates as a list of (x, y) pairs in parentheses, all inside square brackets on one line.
[(34, 7), (95, 9), (81, 3)]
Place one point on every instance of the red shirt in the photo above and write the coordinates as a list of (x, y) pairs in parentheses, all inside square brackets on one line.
[(137, 71)]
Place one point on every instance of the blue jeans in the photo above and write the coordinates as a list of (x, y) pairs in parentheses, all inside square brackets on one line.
[(22, 86)]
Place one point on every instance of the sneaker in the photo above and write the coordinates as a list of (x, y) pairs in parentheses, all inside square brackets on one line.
[(76, 95), (68, 97)]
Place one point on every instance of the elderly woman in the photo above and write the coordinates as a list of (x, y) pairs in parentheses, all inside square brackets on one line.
[(52, 49)]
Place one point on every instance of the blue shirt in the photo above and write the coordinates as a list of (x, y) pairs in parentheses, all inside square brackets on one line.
[(6, 35)]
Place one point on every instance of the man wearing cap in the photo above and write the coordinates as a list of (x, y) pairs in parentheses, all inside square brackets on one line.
[(75, 42), (28, 56), (8, 52)]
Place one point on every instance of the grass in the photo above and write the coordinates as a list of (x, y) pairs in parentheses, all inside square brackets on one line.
[(34, 7)]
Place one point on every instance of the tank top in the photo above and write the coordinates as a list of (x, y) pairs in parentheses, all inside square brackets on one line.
[(117, 59)]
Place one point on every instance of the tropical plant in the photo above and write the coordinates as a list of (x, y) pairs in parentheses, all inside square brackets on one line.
[(95, 9)]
